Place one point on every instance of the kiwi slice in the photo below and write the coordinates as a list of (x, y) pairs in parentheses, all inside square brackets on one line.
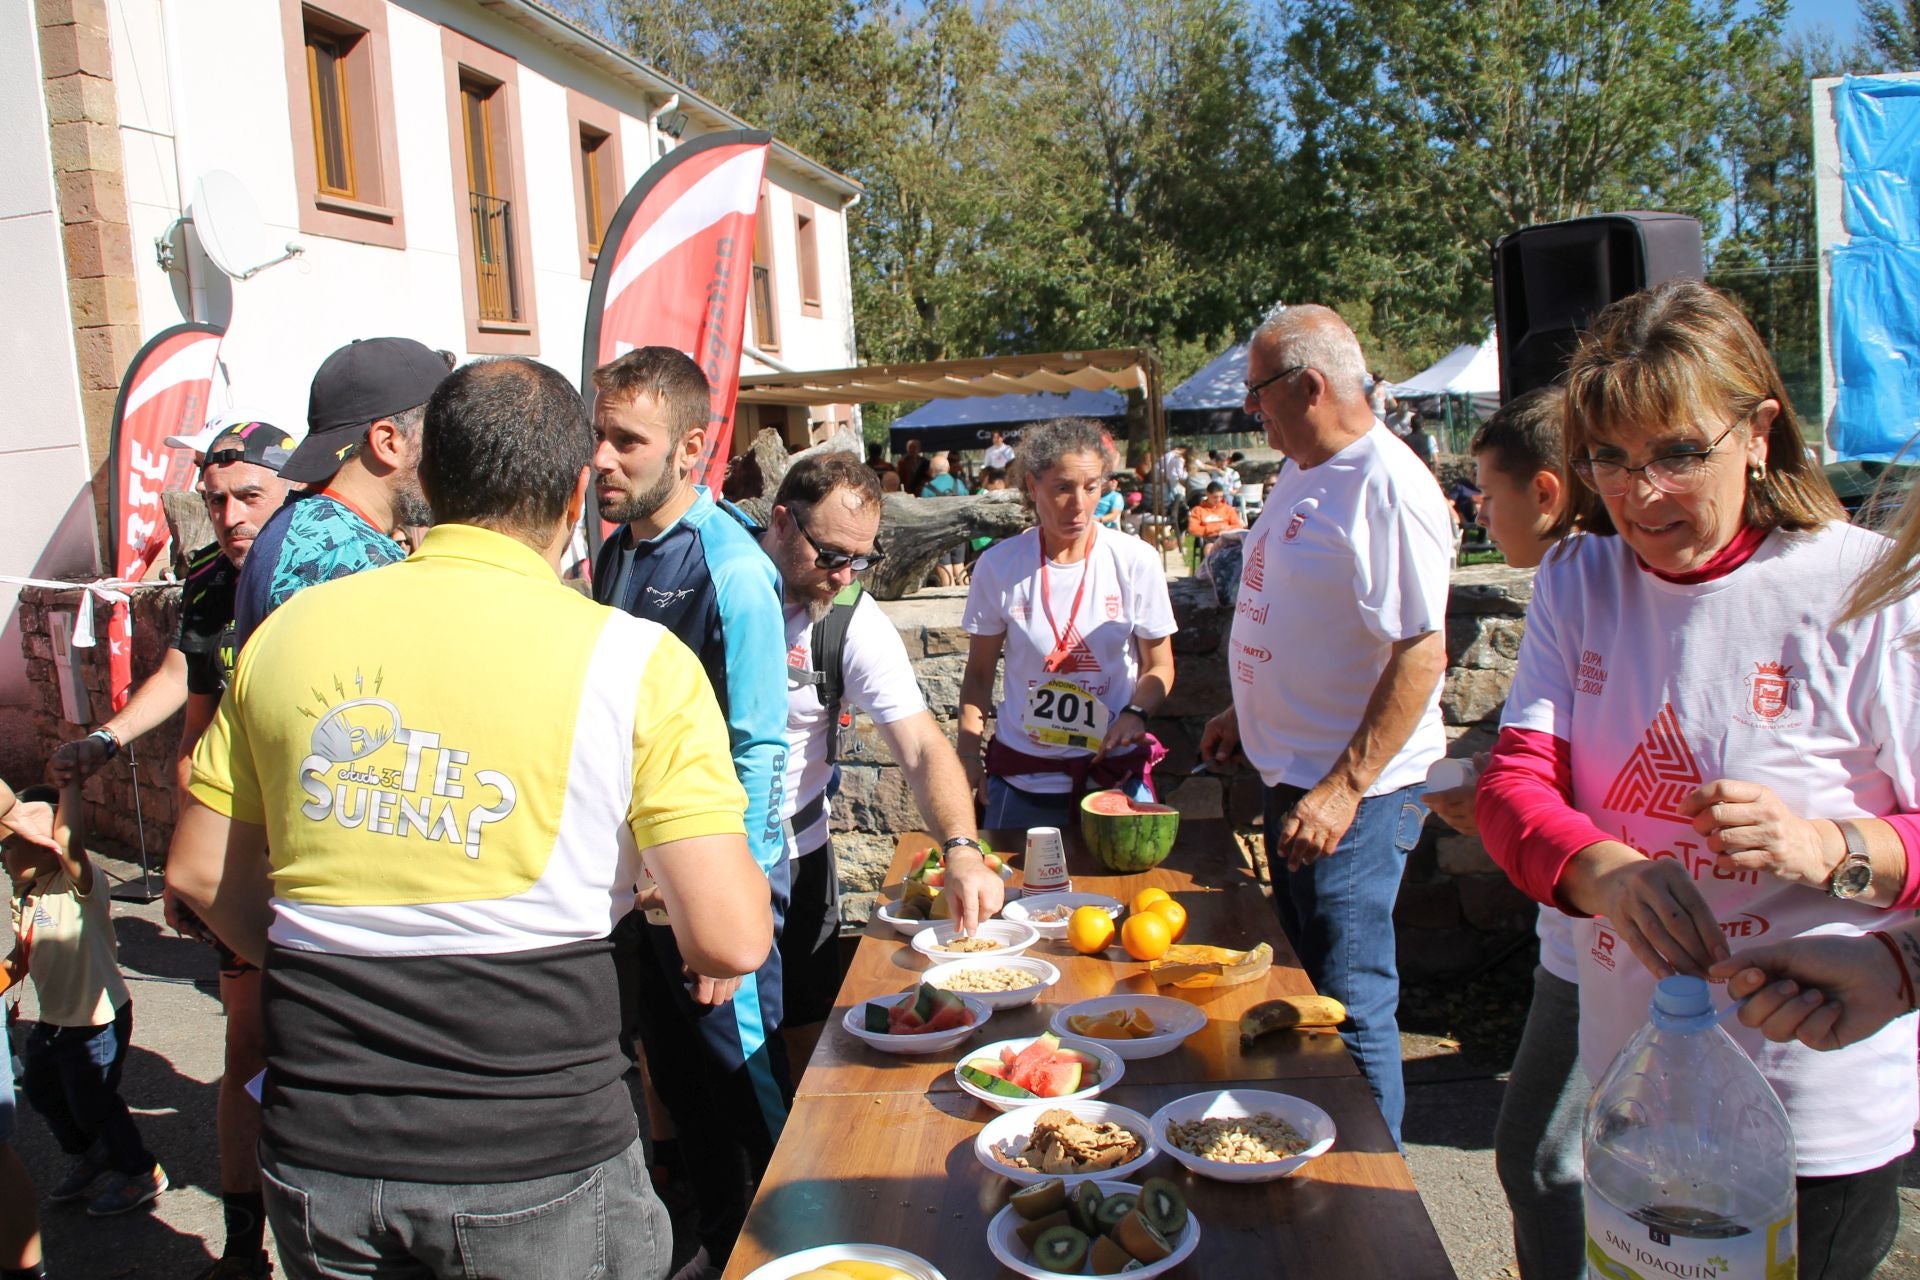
[(1060, 1249), (1141, 1238), (1032, 1231), (1107, 1258), (1165, 1208), (1112, 1209), (1040, 1199), (1084, 1203)]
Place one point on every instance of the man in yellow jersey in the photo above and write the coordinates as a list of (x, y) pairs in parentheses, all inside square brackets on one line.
[(457, 764)]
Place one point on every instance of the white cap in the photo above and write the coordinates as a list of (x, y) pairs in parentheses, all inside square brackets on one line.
[(200, 439)]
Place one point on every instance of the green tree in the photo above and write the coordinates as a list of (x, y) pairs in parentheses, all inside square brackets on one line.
[(1428, 131), (1769, 255), (1147, 197), (1890, 34)]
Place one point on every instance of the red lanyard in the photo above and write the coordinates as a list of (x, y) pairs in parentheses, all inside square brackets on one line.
[(1059, 654)]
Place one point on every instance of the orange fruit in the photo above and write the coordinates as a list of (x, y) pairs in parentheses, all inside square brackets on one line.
[(1089, 930), (1146, 936), (1176, 916), (1140, 1023), (1147, 897)]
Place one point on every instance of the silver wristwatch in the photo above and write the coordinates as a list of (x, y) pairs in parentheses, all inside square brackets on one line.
[(1854, 875)]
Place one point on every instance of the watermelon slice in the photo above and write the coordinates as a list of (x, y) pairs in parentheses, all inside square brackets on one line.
[(949, 1012), (905, 1021), (879, 1017), (1053, 1079), (988, 1067), (1036, 1054), (980, 1079)]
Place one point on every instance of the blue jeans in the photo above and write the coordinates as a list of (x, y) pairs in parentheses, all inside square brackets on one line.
[(1338, 914), (601, 1221), (1011, 809), (71, 1076)]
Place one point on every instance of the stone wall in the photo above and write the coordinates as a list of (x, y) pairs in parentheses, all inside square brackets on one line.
[(115, 811)]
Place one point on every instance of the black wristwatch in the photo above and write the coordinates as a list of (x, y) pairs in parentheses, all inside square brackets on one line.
[(961, 842), (108, 737), (1136, 709)]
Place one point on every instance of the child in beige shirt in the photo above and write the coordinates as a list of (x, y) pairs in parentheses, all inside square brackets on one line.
[(74, 1054)]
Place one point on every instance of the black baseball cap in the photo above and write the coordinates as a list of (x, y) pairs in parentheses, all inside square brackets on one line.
[(261, 443), (362, 382)]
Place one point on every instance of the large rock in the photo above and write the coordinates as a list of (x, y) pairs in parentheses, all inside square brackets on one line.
[(1471, 695), (1491, 588)]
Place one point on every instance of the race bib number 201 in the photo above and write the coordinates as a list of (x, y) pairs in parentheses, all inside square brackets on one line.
[(1061, 713)]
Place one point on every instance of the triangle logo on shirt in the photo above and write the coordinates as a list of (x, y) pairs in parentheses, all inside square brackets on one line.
[(1659, 774), (1254, 573), (1078, 656)]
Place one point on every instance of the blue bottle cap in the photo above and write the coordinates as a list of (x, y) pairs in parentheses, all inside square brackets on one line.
[(1681, 1003)]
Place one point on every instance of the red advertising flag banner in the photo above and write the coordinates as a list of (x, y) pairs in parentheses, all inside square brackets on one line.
[(675, 269), (167, 390)]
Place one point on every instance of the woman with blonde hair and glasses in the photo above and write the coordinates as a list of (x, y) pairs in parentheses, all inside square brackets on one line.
[(1698, 751)]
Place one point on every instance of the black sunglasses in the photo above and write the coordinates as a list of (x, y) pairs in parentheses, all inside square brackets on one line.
[(832, 561)]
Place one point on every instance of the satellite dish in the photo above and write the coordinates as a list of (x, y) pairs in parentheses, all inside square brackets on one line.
[(231, 230)]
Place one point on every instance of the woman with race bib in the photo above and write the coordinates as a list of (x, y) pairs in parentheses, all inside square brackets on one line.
[(1701, 753), (1083, 619)]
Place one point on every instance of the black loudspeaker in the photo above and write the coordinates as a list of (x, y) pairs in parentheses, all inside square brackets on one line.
[(1550, 281)]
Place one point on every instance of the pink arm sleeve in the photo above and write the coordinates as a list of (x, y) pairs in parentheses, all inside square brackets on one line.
[(1524, 807), (1907, 827)]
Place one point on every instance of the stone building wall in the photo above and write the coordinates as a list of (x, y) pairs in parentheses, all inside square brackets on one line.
[(1456, 909), (116, 811)]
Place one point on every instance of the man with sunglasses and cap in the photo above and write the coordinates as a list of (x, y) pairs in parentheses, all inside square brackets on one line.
[(841, 649), (362, 453), (242, 485), (689, 563)]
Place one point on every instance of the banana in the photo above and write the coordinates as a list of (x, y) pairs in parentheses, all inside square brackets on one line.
[(1290, 1013)]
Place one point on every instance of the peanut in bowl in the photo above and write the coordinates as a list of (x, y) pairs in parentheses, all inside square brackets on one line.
[(1242, 1135), (995, 982)]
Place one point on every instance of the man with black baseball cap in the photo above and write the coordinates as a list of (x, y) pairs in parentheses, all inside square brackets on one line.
[(241, 484), (363, 448)]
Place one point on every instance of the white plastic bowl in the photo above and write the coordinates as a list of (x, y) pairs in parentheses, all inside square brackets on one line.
[(1016, 1257), (808, 1259), (887, 913), (930, 1042), (1045, 975), (1176, 1019), (1313, 1124), (1013, 938), (1111, 1069), (1025, 910), (1012, 1129)]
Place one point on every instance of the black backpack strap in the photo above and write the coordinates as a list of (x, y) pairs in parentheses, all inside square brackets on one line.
[(829, 671)]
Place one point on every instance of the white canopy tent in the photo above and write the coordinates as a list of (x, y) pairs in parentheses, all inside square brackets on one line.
[(1467, 370)]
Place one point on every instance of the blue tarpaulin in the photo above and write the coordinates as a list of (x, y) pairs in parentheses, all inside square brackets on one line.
[(969, 423), (1875, 297)]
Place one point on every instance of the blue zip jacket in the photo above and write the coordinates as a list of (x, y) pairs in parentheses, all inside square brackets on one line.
[(706, 580)]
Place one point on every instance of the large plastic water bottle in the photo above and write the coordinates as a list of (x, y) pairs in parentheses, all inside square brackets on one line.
[(1689, 1154)]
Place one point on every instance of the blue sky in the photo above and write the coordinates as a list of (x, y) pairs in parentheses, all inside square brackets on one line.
[(1840, 17)]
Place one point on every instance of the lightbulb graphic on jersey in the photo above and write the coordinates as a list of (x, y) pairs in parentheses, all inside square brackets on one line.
[(367, 771)]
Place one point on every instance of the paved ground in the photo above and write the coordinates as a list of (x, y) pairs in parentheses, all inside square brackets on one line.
[(1458, 1043)]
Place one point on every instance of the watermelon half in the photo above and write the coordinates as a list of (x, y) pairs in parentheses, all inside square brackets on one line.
[(1125, 835)]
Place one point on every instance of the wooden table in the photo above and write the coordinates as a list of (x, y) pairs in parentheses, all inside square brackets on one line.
[(879, 1147)]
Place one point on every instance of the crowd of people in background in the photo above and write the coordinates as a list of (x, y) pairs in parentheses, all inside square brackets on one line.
[(505, 961)]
